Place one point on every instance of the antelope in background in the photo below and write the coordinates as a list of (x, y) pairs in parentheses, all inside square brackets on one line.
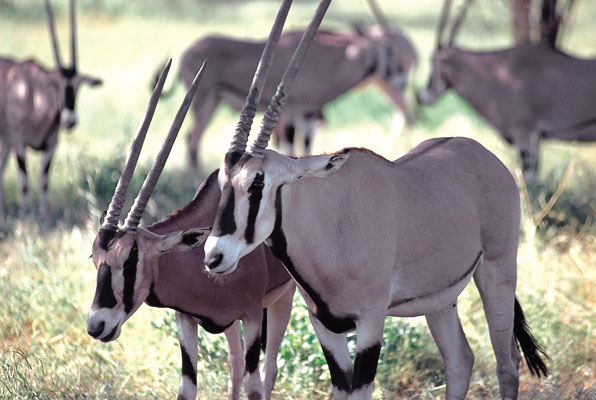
[(364, 238), (527, 93), (34, 104), (136, 265), (339, 62)]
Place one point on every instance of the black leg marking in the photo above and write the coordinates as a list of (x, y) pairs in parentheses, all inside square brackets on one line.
[(104, 295), (225, 215), (279, 248), (251, 359), (255, 194), (130, 275), (365, 366), (188, 368), (290, 132), (22, 165), (264, 331), (339, 378)]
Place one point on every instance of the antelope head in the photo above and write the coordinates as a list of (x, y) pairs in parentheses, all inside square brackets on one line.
[(396, 56), (126, 258), (439, 80), (67, 79), (249, 180)]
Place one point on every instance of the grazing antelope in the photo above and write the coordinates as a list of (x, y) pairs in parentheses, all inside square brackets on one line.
[(339, 62), (34, 104), (365, 238), (136, 265), (527, 93)]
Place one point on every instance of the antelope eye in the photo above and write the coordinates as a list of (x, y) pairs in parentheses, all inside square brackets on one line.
[(258, 185), (258, 182)]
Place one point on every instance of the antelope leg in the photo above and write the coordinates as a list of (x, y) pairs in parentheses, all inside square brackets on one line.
[(458, 358)]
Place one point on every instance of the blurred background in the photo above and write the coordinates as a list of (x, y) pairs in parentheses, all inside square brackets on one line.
[(47, 279)]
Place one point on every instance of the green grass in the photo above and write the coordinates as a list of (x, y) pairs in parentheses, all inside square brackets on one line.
[(47, 280)]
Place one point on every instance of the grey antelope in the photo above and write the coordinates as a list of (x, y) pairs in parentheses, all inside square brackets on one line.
[(136, 265), (527, 93), (340, 61), (34, 104), (365, 238)]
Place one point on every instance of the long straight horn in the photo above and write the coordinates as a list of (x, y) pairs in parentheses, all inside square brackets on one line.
[(73, 35), (277, 102), (50, 17), (443, 22), (135, 214), (379, 16), (458, 21), (115, 207), (254, 95)]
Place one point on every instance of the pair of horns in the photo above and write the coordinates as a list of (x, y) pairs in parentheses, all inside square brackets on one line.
[(247, 114), (115, 208), (73, 30), (456, 23)]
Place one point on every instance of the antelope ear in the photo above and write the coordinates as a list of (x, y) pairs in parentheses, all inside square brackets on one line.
[(90, 80), (183, 240), (320, 166)]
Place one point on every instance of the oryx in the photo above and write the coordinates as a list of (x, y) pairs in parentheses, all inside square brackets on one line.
[(365, 238), (34, 103), (340, 61), (527, 93), (136, 265)]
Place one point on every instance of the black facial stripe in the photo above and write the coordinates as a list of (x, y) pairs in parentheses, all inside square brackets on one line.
[(130, 275), (255, 194), (279, 248), (69, 98), (340, 379), (225, 224), (365, 366), (231, 159), (104, 295), (104, 237), (188, 368), (251, 359)]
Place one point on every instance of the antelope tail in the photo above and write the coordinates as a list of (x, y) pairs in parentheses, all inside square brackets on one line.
[(166, 93), (529, 345)]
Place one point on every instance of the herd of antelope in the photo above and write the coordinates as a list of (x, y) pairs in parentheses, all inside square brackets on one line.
[(360, 236)]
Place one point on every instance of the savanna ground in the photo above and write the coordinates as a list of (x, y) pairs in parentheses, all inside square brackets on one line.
[(47, 279)]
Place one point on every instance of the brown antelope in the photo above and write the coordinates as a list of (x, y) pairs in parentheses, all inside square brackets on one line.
[(34, 104), (365, 238), (136, 265), (527, 93), (339, 62)]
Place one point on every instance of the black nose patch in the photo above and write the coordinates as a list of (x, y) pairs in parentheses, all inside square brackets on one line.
[(104, 294)]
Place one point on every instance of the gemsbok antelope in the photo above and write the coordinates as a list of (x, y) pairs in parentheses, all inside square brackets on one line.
[(340, 61), (527, 93), (34, 104), (366, 238), (136, 265)]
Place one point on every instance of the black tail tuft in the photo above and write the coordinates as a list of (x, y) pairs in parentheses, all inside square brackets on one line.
[(528, 343)]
